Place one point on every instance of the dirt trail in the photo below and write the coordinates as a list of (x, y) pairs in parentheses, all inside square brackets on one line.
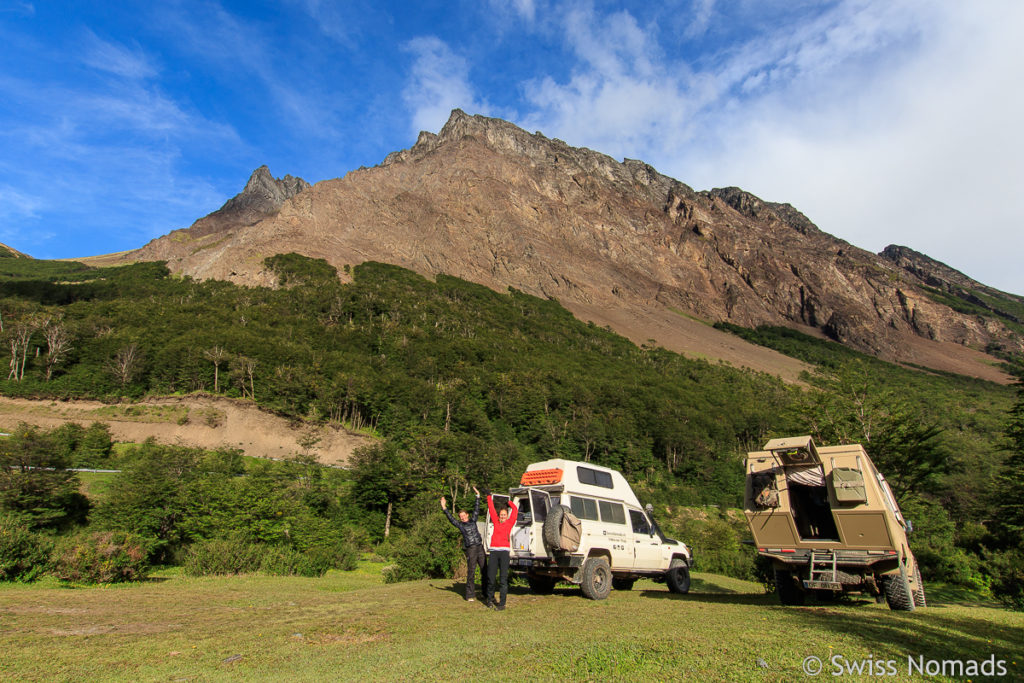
[(195, 421)]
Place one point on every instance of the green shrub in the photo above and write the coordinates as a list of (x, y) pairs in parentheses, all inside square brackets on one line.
[(236, 556), (222, 556), (101, 557), (24, 555), (431, 549), (281, 560), (339, 555), (1006, 570)]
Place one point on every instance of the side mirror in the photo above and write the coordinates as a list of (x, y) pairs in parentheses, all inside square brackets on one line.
[(910, 526), (649, 509)]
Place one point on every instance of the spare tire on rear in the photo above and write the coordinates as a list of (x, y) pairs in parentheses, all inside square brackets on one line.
[(562, 529)]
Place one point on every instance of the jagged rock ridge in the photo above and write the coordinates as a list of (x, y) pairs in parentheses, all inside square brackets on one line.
[(262, 197), (616, 242)]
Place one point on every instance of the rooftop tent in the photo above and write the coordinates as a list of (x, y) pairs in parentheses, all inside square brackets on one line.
[(807, 475)]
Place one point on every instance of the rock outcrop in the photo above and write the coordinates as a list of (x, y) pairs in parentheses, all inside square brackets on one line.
[(261, 198), (615, 242)]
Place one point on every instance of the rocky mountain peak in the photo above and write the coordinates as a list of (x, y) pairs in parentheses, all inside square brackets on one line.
[(263, 193)]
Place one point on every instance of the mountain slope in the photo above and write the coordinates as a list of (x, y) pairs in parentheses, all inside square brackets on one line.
[(616, 243), (8, 252)]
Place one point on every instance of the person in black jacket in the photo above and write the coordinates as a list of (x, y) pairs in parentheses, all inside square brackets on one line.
[(472, 543)]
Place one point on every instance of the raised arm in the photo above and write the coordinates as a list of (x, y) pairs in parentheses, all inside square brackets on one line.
[(476, 507), (490, 509), (448, 514), (513, 512)]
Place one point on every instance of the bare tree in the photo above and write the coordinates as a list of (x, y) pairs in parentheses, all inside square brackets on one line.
[(249, 365), (242, 369), (126, 363), (20, 337), (58, 344), (216, 355)]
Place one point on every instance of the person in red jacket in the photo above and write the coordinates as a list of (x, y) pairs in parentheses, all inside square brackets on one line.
[(500, 547)]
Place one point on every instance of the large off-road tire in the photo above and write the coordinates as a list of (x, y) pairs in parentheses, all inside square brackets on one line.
[(897, 593), (552, 530), (678, 576), (597, 578), (785, 586), (542, 585), (623, 584), (919, 599)]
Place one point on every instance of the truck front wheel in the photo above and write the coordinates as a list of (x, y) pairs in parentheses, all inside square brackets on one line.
[(597, 578), (919, 599), (678, 576)]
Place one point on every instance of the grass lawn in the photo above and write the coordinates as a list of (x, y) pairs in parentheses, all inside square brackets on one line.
[(350, 626)]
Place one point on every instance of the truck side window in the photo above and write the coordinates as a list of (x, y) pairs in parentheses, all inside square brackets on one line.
[(594, 477), (640, 525), (612, 512), (584, 508)]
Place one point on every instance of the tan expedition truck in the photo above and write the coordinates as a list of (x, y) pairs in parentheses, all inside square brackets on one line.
[(827, 520), (582, 523)]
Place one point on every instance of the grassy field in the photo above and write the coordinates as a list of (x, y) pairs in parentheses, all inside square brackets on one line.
[(349, 626)]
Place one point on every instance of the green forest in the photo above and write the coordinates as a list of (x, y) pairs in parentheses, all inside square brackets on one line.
[(458, 385)]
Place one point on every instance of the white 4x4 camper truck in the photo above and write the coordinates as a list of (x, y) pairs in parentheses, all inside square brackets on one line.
[(582, 523)]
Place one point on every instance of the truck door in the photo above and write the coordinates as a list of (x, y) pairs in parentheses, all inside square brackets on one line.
[(646, 544), (522, 531), (528, 536)]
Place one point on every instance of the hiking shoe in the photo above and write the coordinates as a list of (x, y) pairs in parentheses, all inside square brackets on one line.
[(470, 599), (500, 608)]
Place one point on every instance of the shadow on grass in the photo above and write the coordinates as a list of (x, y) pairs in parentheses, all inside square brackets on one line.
[(926, 633), (711, 598)]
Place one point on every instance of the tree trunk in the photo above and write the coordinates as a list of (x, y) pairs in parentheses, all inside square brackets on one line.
[(387, 521)]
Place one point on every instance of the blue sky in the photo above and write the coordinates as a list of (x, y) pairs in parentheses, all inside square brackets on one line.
[(885, 121)]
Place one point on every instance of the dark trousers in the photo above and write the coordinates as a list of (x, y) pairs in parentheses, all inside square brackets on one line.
[(497, 562), (474, 559)]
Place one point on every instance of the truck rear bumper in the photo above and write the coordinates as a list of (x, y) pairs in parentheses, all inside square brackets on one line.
[(845, 558)]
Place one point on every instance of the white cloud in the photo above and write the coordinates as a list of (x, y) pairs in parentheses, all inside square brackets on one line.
[(23, 8), (439, 82), (116, 59), (702, 13), (330, 18), (17, 204), (526, 10)]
